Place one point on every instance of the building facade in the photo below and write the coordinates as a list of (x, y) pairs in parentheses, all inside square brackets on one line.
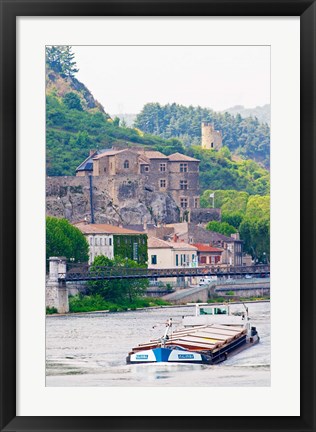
[(232, 247), (112, 241), (176, 174), (208, 255)]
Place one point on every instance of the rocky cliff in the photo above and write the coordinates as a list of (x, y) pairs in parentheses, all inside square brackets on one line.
[(69, 197)]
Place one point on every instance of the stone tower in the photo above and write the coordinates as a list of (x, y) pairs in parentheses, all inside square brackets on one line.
[(211, 138)]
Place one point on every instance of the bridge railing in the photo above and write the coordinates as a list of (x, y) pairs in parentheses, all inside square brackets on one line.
[(86, 272)]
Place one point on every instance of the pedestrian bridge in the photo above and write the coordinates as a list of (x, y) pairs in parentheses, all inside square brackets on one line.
[(84, 272)]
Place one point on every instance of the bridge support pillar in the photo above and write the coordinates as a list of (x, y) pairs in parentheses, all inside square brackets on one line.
[(56, 291)]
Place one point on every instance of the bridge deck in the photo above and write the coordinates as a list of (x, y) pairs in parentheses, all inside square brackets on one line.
[(86, 273)]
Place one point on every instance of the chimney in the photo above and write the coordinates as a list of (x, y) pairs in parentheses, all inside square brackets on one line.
[(235, 236), (175, 238), (92, 152), (145, 224)]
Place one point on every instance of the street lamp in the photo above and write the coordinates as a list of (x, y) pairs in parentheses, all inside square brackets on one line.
[(212, 195)]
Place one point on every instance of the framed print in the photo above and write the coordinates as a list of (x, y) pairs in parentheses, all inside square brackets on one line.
[(124, 173)]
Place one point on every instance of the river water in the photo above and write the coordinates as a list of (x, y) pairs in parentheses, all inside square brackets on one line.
[(90, 350)]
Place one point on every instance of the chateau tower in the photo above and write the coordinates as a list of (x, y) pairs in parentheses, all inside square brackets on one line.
[(211, 138)]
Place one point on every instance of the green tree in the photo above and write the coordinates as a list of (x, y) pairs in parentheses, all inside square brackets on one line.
[(234, 219), (117, 290), (63, 239), (221, 227), (256, 236), (61, 60), (72, 101)]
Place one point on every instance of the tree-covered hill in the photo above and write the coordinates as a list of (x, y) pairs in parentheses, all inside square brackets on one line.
[(246, 137), (261, 112), (76, 123)]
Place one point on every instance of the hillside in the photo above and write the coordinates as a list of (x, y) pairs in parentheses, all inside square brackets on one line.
[(261, 112), (245, 137), (76, 123)]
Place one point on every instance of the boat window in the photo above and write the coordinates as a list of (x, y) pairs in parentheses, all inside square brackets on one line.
[(206, 311), (220, 311)]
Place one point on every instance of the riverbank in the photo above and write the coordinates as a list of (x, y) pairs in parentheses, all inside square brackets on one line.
[(94, 303), (143, 304)]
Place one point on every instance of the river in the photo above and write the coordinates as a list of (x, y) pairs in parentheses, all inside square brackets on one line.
[(90, 350)]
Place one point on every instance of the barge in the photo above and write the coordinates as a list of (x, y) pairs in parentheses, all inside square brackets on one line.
[(209, 337)]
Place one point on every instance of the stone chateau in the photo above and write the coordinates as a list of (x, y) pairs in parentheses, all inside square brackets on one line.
[(133, 185), (177, 174)]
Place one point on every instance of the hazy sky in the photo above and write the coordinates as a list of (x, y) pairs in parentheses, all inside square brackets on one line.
[(125, 78)]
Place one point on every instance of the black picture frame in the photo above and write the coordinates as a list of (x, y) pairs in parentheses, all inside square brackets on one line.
[(12, 9)]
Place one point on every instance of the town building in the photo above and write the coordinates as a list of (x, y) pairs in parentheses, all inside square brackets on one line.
[(208, 255), (232, 247), (112, 241), (168, 254)]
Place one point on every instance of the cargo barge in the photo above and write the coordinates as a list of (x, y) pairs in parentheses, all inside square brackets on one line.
[(210, 337)]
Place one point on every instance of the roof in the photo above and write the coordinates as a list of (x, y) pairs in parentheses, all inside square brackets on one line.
[(139, 227), (181, 245), (103, 229), (155, 243), (206, 248), (87, 164), (152, 154), (181, 157), (108, 153)]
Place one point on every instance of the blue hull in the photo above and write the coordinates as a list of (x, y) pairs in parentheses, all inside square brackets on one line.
[(167, 355)]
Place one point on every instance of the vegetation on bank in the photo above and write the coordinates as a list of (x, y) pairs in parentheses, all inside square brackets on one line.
[(96, 302), (116, 290), (65, 240), (245, 213)]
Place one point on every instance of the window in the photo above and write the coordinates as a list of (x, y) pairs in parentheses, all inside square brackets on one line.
[(203, 260), (191, 240), (104, 169), (162, 167), (183, 202), (91, 241), (162, 183), (183, 184), (96, 241), (110, 242), (183, 167), (146, 168), (154, 259), (126, 164), (177, 260), (196, 202)]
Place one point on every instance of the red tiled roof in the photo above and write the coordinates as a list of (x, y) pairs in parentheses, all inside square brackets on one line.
[(103, 229), (206, 248), (154, 242)]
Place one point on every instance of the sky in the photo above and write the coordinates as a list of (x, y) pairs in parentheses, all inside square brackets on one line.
[(124, 78)]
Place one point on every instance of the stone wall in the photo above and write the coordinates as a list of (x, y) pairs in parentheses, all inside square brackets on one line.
[(204, 215)]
